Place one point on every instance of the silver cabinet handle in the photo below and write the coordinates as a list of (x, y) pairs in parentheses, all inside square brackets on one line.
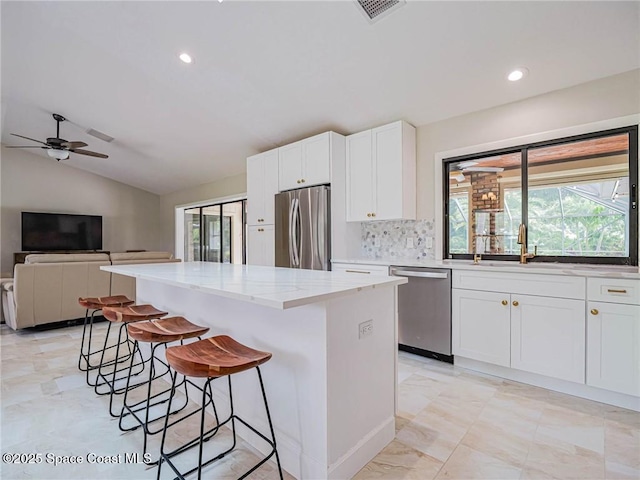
[(357, 271), (410, 273)]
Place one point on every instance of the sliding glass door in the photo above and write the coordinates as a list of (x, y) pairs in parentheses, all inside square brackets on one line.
[(215, 233)]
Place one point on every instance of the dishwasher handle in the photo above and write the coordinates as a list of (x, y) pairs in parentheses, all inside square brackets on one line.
[(396, 272)]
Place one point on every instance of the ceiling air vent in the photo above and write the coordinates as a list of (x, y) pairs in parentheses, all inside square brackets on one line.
[(374, 10)]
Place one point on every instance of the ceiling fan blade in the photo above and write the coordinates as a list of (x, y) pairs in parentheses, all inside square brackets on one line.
[(23, 146), (32, 139), (90, 153), (73, 144)]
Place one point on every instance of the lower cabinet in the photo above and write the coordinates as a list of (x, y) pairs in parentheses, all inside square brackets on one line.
[(613, 347), (261, 245), (533, 333), (481, 326), (548, 336)]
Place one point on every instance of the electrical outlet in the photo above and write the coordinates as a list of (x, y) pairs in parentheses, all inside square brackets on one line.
[(409, 242), (365, 329), (429, 242)]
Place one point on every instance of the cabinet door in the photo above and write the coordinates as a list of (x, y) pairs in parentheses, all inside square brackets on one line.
[(613, 347), (548, 336), (261, 245), (290, 166), (262, 185), (316, 165), (481, 326), (359, 177), (387, 171)]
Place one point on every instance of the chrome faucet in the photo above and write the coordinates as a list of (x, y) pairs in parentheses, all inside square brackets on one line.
[(522, 240)]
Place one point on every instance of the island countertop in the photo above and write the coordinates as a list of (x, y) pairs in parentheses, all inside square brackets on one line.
[(274, 287)]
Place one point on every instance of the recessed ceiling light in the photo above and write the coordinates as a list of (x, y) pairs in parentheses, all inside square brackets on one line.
[(518, 74), (185, 57)]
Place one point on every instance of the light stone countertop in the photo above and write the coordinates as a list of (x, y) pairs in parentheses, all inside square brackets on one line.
[(574, 269), (270, 286)]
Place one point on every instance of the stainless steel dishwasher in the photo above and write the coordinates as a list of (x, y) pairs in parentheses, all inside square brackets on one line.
[(424, 311)]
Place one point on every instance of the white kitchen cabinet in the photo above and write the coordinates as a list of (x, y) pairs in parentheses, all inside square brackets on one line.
[(261, 243), (481, 326), (262, 185), (541, 332), (613, 335), (305, 163), (548, 336), (381, 173)]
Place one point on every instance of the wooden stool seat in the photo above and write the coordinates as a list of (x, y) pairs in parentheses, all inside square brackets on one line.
[(97, 303), (132, 313), (165, 330), (214, 357)]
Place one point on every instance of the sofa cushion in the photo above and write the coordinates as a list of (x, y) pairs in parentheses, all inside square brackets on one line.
[(66, 257), (127, 256)]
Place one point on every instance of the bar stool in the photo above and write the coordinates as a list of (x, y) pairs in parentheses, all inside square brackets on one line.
[(123, 316), (95, 304), (213, 358), (157, 333)]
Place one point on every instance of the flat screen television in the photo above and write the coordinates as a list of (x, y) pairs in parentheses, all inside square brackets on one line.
[(61, 231)]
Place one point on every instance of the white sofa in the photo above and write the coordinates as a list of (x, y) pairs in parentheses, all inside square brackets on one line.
[(45, 289)]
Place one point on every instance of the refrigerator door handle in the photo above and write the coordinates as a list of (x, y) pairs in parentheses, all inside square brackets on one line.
[(296, 228), (291, 258), (320, 231)]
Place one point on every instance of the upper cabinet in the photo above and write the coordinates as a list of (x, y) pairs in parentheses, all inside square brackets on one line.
[(262, 185), (381, 173), (305, 163)]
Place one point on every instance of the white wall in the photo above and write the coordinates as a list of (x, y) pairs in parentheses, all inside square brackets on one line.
[(226, 187), (611, 97), (32, 183)]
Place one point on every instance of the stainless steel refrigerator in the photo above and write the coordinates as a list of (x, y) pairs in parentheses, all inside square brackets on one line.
[(303, 228)]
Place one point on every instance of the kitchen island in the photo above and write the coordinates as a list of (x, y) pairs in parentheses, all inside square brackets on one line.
[(331, 382)]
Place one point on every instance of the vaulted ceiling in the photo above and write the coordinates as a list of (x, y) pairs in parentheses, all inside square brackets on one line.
[(268, 73)]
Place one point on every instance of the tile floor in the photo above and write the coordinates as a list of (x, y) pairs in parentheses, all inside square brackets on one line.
[(452, 424)]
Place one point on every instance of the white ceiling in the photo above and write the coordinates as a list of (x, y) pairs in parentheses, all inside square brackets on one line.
[(268, 73)]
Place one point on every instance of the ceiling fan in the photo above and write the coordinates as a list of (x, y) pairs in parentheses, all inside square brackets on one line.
[(57, 147)]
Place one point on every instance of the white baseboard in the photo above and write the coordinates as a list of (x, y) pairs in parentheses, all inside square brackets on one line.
[(366, 449), (555, 384)]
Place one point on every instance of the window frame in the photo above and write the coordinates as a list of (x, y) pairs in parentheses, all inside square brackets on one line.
[(204, 231), (631, 260)]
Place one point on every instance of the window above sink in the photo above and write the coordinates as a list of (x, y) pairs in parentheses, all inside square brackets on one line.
[(576, 196)]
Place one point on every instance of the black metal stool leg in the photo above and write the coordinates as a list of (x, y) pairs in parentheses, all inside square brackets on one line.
[(100, 364), (273, 435), (84, 331), (163, 456)]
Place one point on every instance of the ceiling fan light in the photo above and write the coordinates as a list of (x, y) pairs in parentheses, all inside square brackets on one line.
[(58, 154)]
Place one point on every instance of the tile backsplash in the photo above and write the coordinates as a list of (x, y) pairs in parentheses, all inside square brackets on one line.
[(402, 239)]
